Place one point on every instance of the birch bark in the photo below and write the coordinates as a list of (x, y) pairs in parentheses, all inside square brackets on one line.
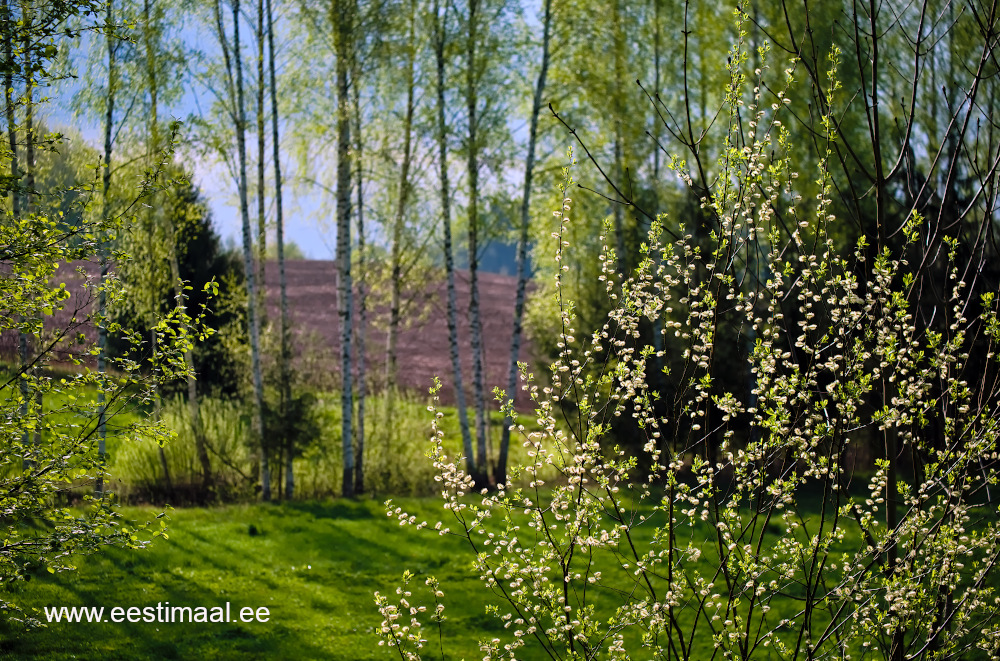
[(475, 323), (500, 474), (248, 262), (286, 341), (440, 21), (343, 20), (362, 351)]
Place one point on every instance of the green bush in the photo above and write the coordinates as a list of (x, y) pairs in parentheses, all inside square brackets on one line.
[(139, 467), (399, 468), (738, 527)]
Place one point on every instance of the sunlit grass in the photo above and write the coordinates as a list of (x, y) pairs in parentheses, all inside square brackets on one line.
[(315, 566)]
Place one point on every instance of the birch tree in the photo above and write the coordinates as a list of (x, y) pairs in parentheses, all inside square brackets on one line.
[(236, 110), (500, 474), (342, 17), (285, 356), (102, 329), (337, 42), (471, 63), (362, 354), (14, 184), (439, 18), (259, 90)]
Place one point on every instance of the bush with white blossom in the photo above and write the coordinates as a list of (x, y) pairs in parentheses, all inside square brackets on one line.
[(703, 543)]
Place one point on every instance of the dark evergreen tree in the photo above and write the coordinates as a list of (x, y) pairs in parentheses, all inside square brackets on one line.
[(201, 259)]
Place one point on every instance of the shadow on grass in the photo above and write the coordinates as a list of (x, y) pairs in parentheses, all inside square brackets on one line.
[(347, 510), (314, 565)]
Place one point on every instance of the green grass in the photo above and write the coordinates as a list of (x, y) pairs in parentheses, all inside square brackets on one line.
[(314, 566)]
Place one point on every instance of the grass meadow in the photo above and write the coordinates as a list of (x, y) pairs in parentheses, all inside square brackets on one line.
[(314, 565)]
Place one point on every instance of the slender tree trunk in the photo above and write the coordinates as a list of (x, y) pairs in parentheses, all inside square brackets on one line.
[(279, 444), (29, 200), (102, 329), (286, 340), (618, 210), (151, 213), (258, 385), (396, 249), (343, 20), (440, 27), (261, 212), (500, 473), (475, 323), (359, 429), (194, 407), (154, 146), (15, 196)]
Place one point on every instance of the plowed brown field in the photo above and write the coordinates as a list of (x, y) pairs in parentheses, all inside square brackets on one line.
[(422, 346), (423, 343)]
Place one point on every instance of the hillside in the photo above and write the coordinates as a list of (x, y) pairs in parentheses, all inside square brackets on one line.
[(423, 343)]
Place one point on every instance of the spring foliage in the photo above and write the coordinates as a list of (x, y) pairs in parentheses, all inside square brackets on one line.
[(49, 419), (744, 527), (48, 439)]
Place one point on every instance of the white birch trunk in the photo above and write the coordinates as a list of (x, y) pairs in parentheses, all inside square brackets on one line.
[(258, 386), (522, 245), (359, 429), (102, 329), (342, 18), (22, 339), (261, 213), (440, 27), (286, 343), (475, 324)]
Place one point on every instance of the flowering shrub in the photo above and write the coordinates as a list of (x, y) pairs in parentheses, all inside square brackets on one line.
[(52, 419), (746, 528)]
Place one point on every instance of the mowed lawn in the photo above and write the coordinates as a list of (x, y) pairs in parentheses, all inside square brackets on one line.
[(313, 566)]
